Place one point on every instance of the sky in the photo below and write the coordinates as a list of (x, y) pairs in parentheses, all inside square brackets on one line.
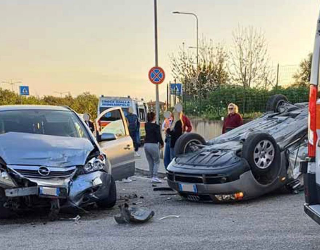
[(107, 47)]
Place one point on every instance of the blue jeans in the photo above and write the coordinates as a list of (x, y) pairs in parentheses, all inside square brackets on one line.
[(167, 156)]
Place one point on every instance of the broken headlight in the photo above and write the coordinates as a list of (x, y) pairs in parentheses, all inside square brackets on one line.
[(95, 164)]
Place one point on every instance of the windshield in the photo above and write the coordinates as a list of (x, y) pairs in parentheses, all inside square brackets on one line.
[(46, 122), (125, 110)]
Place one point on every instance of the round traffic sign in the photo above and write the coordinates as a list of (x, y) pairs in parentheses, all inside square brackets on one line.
[(156, 75)]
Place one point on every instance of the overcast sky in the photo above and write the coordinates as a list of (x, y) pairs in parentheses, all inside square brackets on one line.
[(107, 47)]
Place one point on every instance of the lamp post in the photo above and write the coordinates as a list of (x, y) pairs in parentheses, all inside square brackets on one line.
[(197, 30)]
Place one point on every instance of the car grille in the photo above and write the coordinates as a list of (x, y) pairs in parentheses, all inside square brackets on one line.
[(202, 179), (33, 171)]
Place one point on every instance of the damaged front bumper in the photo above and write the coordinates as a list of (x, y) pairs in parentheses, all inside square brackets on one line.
[(74, 191)]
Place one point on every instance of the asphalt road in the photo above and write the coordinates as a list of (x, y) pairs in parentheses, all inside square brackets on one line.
[(270, 222)]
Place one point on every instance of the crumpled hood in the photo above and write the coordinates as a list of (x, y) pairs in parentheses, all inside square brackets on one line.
[(46, 150)]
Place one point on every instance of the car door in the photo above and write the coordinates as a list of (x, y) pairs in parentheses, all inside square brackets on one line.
[(119, 150)]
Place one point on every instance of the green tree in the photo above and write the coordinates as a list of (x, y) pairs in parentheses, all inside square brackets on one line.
[(302, 77)]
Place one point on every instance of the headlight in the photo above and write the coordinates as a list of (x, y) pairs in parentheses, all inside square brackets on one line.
[(95, 164)]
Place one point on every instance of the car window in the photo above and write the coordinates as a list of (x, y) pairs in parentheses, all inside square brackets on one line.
[(114, 123), (46, 122)]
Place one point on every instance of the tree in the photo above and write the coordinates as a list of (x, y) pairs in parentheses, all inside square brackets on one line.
[(249, 62), (211, 71), (302, 77)]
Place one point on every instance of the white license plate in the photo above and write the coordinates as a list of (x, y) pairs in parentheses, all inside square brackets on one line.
[(188, 188), (49, 191)]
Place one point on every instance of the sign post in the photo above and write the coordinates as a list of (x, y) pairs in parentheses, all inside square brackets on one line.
[(24, 91), (156, 59)]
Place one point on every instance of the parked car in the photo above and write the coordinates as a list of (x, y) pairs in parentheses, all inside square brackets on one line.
[(49, 158), (259, 157)]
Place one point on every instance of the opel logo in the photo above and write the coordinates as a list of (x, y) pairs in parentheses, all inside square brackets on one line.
[(44, 171)]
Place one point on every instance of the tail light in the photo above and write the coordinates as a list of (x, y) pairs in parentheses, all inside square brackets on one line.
[(312, 121)]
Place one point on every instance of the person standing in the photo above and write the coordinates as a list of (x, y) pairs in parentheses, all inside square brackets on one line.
[(233, 119), (134, 126), (167, 124), (87, 121), (175, 131), (187, 126), (151, 146)]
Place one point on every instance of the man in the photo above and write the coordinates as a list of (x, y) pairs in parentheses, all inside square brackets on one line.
[(87, 121), (134, 126)]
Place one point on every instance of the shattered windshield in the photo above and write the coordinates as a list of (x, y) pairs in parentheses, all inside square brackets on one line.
[(46, 122)]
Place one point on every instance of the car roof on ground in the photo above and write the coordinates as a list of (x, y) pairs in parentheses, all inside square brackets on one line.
[(33, 107)]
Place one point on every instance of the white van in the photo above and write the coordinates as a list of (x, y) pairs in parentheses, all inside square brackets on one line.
[(311, 168), (140, 108)]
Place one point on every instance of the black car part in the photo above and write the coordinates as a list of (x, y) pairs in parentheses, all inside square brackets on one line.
[(187, 143)]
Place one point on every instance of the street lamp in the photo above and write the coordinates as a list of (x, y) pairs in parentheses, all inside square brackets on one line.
[(197, 23), (189, 13)]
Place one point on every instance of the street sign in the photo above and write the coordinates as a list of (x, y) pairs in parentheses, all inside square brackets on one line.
[(176, 89), (156, 75), (24, 90)]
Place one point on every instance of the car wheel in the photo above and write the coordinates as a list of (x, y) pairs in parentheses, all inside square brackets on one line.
[(188, 143), (112, 197), (275, 102), (5, 213), (262, 153)]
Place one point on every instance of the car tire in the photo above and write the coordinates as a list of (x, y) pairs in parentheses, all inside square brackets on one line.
[(275, 102), (112, 197), (262, 153), (5, 213), (184, 142)]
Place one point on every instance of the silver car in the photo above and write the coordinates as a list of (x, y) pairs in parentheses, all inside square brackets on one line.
[(50, 158)]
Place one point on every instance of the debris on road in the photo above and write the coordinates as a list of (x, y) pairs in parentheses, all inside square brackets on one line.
[(163, 189), (136, 203), (75, 219), (127, 197), (133, 215), (169, 216)]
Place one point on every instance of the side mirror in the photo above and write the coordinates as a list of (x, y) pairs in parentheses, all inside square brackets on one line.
[(106, 137)]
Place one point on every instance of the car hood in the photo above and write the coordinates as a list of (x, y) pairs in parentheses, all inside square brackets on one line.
[(37, 149)]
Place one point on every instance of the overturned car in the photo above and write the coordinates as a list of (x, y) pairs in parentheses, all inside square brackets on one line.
[(259, 157), (49, 158)]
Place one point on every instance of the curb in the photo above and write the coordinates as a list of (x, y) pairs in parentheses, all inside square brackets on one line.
[(146, 173)]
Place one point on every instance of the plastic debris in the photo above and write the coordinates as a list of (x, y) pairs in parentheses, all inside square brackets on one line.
[(75, 219), (169, 216), (133, 215), (163, 189)]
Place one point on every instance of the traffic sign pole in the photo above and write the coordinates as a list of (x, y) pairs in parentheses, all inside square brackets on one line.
[(156, 59)]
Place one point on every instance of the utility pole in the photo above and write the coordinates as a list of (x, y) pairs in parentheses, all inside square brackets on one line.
[(156, 58), (11, 83), (277, 84)]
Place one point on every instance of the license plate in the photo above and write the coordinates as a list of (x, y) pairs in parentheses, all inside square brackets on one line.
[(188, 188), (49, 191)]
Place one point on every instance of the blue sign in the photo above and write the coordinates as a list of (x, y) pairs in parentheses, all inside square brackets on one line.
[(24, 90), (176, 89)]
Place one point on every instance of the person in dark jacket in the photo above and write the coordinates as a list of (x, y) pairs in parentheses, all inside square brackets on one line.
[(151, 146), (134, 126), (233, 120), (175, 132)]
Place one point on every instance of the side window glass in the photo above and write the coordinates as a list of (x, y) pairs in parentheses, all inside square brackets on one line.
[(113, 123), (142, 115)]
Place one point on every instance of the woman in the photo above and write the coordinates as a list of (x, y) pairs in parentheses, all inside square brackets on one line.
[(175, 132), (151, 146), (167, 124), (233, 120)]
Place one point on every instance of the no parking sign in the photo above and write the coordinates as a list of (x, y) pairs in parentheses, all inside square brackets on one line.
[(156, 75)]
